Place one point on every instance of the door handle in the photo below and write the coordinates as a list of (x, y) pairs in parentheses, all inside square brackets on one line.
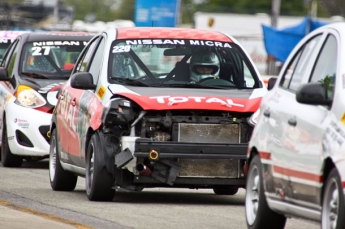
[(267, 113), (73, 102), (292, 122)]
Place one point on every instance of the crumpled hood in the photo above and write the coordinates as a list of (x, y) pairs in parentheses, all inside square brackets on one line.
[(155, 98)]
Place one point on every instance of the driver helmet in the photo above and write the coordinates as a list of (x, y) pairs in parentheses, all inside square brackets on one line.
[(204, 64)]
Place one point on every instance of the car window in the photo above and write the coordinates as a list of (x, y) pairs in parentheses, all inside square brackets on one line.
[(96, 62), (9, 63), (181, 63), (326, 65), (8, 53), (296, 69), (54, 59), (86, 58)]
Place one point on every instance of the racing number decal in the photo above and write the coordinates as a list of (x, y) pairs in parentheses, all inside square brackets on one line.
[(122, 48), (37, 51)]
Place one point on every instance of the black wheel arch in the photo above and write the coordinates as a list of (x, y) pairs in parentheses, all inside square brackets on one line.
[(108, 149), (327, 167)]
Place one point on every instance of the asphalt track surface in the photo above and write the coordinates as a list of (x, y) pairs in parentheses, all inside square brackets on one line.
[(27, 201)]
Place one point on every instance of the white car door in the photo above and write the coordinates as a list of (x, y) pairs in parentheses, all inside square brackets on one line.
[(306, 164), (294, 123)]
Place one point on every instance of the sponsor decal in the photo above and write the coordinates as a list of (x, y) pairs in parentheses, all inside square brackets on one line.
[(336, 133), (54, 43), (43, 47), (21, 123), (343, 119), (101, 92), (178, 42), (172, 100)]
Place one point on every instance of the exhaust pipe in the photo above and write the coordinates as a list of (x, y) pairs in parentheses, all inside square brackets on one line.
[(143, 170)]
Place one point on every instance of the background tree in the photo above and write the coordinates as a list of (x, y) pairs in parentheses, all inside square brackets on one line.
[(333, 7)]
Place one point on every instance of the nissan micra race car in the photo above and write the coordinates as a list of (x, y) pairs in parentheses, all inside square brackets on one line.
[(32, 70), (155, 107)]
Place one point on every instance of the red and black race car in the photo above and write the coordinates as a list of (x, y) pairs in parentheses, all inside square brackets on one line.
[(155, 107)]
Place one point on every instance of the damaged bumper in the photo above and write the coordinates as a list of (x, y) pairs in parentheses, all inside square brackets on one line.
[(183, 164)]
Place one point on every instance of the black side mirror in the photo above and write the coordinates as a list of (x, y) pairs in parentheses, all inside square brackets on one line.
[(271, 82), (313, 94), (4, 75), (82, 80)]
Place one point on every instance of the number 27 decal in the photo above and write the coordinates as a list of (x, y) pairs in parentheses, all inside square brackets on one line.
[(38, 51)]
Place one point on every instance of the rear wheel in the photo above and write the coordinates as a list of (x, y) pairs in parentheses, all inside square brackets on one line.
[(7, 158), (225, 190), (60, 180), (333, 203), (258, 214), (98, 181)]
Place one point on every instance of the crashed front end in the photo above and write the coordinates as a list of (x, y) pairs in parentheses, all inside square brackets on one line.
[(176, 148)]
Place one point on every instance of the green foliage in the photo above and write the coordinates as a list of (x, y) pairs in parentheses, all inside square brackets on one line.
[(291, 7), (100, 8), (328, 81)]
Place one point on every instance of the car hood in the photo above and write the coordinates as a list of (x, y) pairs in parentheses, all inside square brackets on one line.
[(155, 98)]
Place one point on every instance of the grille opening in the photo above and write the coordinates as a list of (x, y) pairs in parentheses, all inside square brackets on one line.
[(22, 139), (44, 132)]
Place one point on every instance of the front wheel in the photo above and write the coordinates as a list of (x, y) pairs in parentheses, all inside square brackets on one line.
[(98, 181), (7, 158), (258, 214), (333, 203), (60, 180)]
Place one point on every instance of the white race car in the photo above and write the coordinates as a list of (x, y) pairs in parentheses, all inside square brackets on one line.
[(32, 70), (296, 154)]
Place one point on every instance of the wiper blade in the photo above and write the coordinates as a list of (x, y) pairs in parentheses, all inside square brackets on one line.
[(35, 75), (130, 81), (192, 85)]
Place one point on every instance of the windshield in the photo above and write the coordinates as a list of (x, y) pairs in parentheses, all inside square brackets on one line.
[(50, 59), (180, 63)]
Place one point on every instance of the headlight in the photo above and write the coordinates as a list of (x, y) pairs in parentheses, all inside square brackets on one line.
[(28, 97), (253, 120)]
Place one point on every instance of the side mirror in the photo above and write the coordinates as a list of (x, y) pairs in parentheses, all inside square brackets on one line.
[(82, 80), (4, 74), (313, 94), (271, 82)]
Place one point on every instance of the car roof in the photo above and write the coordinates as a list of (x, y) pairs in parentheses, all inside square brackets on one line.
[(170, 33), (68, 36)]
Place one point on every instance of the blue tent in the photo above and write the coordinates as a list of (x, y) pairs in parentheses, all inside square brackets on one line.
[(280, 42)]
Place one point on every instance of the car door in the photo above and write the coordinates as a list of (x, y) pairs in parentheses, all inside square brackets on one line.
[(282, 116), (81, 100), (308, 123)]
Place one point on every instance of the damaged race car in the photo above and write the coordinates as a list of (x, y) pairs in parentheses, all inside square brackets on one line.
[(155, 107), (33, 68)]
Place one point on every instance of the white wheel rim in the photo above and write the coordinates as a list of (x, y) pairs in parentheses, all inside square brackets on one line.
[(252, 195), (52, 159), (330, 206)]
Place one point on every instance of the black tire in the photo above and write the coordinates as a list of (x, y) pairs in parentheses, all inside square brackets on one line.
[(258, 214), (7, 158), (60, 179), (98, 181), (333, 205), (225, 190)]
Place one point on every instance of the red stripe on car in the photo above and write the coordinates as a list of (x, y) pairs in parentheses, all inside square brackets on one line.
[(298, 174)]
